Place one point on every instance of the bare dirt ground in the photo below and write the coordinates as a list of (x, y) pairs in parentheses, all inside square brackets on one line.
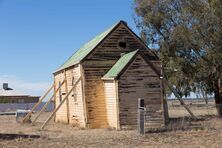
[(206, 132)]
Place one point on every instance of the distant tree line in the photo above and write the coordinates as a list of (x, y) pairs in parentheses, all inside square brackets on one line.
[(3, 100)]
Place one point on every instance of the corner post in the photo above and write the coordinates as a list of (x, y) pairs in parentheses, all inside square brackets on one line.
[(83, 95)]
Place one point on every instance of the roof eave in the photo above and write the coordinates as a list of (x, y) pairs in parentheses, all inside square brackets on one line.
[(108, 78), (59, 70)]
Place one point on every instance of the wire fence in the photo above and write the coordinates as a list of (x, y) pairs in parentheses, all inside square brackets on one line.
[(149, 121)]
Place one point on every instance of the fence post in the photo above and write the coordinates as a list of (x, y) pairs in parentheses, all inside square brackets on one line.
[(141, 117)]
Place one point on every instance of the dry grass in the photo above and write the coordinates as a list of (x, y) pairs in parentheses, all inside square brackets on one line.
[(199, 108), (58, 135)]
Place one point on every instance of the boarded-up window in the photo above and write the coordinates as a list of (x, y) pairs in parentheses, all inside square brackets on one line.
[(74, 91)]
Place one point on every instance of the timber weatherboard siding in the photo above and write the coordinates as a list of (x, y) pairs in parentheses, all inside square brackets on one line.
[(139, 81), (96, 65), (75, 100), (111, 102), (98, 102)]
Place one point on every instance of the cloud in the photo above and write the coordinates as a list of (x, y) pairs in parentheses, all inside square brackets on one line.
[(24, 87)]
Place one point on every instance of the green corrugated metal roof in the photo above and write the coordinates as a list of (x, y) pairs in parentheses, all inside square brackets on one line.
[(120, 65), (85, 49)]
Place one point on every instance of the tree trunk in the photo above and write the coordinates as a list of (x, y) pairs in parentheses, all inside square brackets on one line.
[(218, 101), (204, 95), (206, 99)]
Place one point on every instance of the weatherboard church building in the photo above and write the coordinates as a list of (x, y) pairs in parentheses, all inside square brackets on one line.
[(112, 71)]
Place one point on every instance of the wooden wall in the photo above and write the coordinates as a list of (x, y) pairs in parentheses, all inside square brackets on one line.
[(111, 102), (75, 100), (96, 65), (61, 115), (139, 81)]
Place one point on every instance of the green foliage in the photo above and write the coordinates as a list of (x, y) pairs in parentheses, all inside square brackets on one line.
[(3, 100), (188, 38)]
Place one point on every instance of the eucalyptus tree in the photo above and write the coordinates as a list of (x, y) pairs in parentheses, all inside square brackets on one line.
[(187, 35)]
